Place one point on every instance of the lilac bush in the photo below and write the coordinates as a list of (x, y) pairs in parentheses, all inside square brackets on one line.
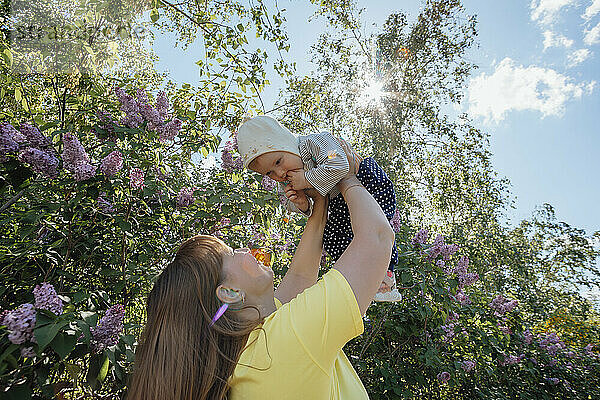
[(76, 159), (104, 205), (268, 184), (34, 136), (47, 299), (112, 163), (8, 145), (40, 161), (110, 326), (136, 178), (20, 323), (185, 197), (396, 222)]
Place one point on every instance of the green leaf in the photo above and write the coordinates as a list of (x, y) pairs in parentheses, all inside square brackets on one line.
[(20, 392), (63, 345), (9, 350), (154, 15), (7, 56), (125, 226), (45, 334), (98, 369)]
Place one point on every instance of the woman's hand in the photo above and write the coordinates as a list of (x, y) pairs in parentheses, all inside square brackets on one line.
[(354, 159)]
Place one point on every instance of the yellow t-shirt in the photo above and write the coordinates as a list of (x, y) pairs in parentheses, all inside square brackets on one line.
[(302, 355)]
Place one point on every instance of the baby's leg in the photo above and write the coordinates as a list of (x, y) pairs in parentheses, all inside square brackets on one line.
[(338, 231)]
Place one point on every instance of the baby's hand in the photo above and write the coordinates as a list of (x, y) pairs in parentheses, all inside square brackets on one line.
[(298, 180), (298, 197)]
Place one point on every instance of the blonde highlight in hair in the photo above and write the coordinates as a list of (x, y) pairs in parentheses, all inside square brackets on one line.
[(180, 355)]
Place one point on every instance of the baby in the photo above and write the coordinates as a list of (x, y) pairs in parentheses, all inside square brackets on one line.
[(318, 161)]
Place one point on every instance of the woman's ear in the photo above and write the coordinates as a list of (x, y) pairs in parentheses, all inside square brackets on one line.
[(230, 295)]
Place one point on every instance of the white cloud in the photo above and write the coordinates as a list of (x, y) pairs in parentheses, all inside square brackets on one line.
[(592, 36), (552, 39), (546, 11), (512, 87), (578, 56), (592, 10)]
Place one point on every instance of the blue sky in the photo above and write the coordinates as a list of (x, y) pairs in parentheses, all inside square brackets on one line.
[(536, 92)]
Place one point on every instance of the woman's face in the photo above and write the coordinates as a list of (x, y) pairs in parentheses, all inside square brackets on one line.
[(244, 272)]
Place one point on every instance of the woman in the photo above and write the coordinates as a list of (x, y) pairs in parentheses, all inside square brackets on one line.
[(269, 344)]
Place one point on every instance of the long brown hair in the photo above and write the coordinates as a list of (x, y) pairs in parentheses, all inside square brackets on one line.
[(181, 356)]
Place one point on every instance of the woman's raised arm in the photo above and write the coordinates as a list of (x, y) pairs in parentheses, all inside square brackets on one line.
[(304, 268), (365, 261)]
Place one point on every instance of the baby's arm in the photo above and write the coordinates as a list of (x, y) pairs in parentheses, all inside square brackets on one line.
[(297, 200), (331, 160)]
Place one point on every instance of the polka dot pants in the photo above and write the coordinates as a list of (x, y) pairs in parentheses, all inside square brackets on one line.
[(338, 231)]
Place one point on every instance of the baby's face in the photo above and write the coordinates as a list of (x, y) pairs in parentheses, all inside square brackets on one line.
[(276, 164)]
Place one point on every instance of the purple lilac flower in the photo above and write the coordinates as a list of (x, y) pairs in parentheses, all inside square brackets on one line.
[(268, 184), (553, 381), (462, 265), (441, 264), (447, 250), (185, 197), (109, 328), (47, 299), (27, 352), (420, 237), (162, 105), (41, 162), (462, 298), (395, 222), (105, 121), (74, 152), (104, 205), (228, 162), (509, 360), (436, 247), (111, 164), (130, 107), (551, 343), (502, 305), (34, 137), (141, 97), (449, 327), (468, 365), (136, 177), (76, 159), (443, 377), (20, 323), (169, 130), (527, 337), (468, 279), (7, 144), (503, 328), (151, 115), (83, 171), (10, 131)]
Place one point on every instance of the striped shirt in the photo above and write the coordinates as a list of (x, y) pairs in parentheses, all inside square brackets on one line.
[(325, 164)]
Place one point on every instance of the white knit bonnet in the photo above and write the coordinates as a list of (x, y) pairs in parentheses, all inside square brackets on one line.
[(263, 134)]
